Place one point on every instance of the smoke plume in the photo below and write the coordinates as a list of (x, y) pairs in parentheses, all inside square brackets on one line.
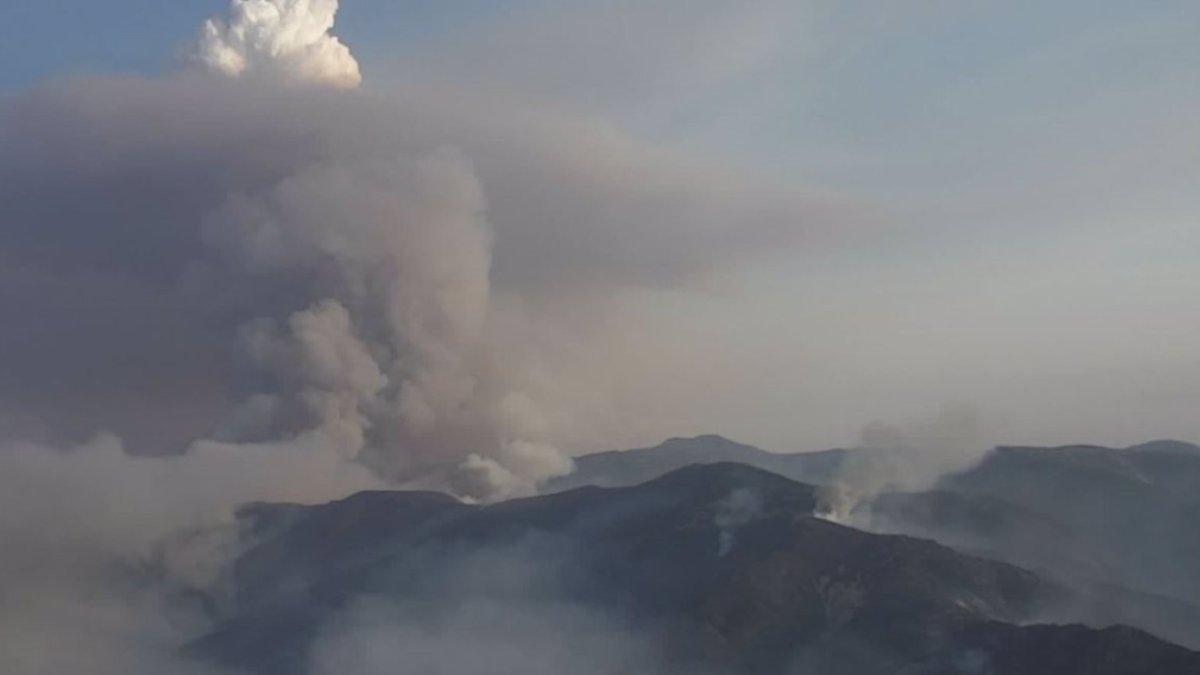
[(246, 264), (222, 287), (902, 457), (419, 283)]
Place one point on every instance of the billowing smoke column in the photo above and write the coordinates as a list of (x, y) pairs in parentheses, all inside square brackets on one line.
[(392, 260), (288, 38), (307, 313), (310, 276), (257, 258), (260, 282), (392, 257)]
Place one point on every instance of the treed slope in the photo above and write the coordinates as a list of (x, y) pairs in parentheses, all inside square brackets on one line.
[(722, 564), (1134, 513), (1119, 520)]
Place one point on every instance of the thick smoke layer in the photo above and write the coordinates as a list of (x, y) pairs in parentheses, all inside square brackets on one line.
[(222, 287), (248, 264), (323, 289), (288, 38), (398, 280), (395, 256)]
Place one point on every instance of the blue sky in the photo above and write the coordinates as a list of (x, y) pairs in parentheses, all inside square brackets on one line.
[(847, 78), (45, 38), (1030, 168)]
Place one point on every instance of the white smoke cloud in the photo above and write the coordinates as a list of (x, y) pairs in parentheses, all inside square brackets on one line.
[(284, 38)]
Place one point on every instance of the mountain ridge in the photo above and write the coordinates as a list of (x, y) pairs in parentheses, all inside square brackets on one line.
[(724, 563)]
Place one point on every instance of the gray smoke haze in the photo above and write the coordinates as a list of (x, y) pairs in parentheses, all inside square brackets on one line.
[(246, 263), (490, 611), (263, 278), (260, 283), (102, 550), (480, 636)]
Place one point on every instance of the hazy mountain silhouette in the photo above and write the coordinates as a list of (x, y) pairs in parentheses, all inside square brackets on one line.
[(720, 567)]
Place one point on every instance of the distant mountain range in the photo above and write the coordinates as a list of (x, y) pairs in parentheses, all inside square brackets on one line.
[(1124, 520), (619, 468), (628, 467), (721, 566)]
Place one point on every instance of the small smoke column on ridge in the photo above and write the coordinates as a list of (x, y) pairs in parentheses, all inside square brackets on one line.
[(906, 458), (281, 37), (740, 507)]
